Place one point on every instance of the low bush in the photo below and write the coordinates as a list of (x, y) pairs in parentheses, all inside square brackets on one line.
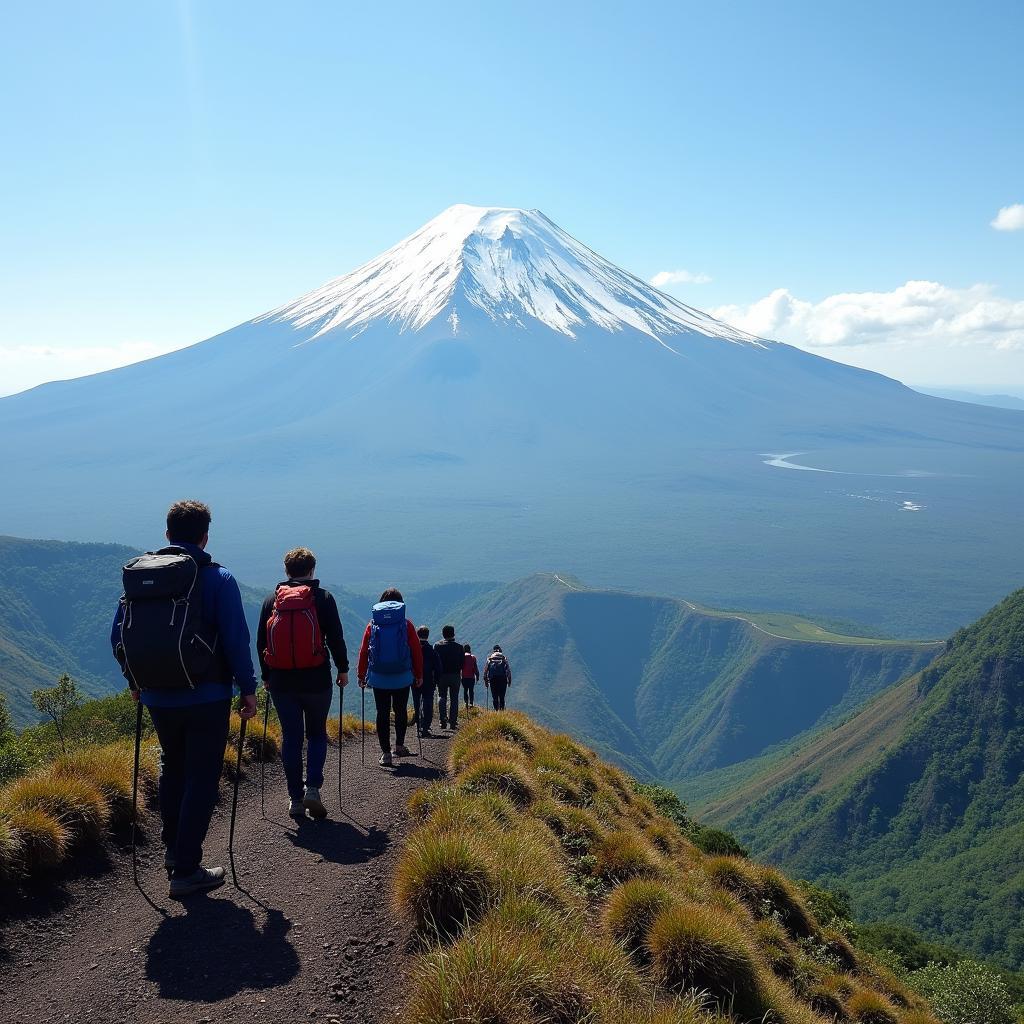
[(964, 993), (715, 842)]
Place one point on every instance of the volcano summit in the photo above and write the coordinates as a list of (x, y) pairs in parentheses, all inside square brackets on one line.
[(490, 397)]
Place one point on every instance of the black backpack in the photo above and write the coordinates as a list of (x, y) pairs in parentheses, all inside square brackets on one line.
[(497, 668), (164, 644)]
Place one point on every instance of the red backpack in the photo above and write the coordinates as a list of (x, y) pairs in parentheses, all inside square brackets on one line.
[(294, 639)]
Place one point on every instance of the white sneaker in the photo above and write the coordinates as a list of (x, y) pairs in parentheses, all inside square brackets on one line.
[(296, 809), (385, 760), (402, 751), (312, 802)]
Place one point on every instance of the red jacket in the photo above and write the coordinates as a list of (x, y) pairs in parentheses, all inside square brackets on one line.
[(470, 669), (415, 652)]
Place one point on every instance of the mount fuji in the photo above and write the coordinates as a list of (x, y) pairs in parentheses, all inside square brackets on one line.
[(490, 397)]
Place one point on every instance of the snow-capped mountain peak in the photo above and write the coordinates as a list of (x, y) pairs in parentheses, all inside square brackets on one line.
[(516, 266)]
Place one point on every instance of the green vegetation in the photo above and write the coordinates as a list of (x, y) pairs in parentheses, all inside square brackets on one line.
[(916, 804), (559, 891)]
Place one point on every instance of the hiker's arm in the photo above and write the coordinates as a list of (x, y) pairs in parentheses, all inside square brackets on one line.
[(115, 630), (417, 653), (261, 637), (334, 635), (364, 657), (234, 634)]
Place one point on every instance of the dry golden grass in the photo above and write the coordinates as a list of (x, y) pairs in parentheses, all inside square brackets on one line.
[(918, 1017), (867, 1007), (10, 849), (44, 843), (544, 890), (76, 803), (350, 725), (109, 769)]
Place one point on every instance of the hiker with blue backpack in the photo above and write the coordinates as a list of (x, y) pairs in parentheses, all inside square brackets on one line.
[(390, 663), (299, 626), (497, 677)]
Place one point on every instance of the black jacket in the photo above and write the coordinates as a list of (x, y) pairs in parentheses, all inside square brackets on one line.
[(305, 680), (449, 655), (431, 666)]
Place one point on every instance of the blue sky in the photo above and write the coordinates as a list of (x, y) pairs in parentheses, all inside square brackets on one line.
[(172, 169)]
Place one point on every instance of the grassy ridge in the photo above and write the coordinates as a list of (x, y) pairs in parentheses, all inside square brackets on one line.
[(544, 888)]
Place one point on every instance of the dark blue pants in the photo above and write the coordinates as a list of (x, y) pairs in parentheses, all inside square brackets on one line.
[(303, 718), (468, 686), (192, 741), (448, 700), (423, 702), (498, 695)]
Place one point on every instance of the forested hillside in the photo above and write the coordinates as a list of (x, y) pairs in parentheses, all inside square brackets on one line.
[(917, 803)]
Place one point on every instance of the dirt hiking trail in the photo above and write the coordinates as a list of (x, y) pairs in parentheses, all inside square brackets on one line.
[(310, 936)]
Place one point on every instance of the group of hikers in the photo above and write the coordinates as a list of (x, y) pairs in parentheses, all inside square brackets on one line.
[(181, 639)]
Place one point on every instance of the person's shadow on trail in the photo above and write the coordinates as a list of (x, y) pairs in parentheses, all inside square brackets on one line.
[(214, 950), (340, 842), (429, 772)]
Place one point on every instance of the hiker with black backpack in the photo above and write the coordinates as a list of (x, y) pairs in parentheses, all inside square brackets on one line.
[(182, 642), (299, 625), (423, 698), (470, 676), (449, 658), (390, 662), (497, 677)]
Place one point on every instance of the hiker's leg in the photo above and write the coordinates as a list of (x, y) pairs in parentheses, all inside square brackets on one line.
[(401, 706), (426, 707), (382, 698), (498, 692), (316, 707), (453, 700), (205, 739), (472, 693), (170, 730), (289, 713)]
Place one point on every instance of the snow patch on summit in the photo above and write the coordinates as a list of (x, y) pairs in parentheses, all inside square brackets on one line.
[(516, 266)]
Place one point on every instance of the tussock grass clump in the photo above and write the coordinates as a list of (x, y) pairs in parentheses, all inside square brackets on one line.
[(10, 849), (576, 829), (778, 952), (44, 843), (699, 948), (442, 883), (109, 769), (525, 863), (632, 908), (786, 901), (867, 1007), (623, 855), (919, 1017), (497, 776), (665, 836), (736, 876), (74, 802), (839, 947), (497, 749)]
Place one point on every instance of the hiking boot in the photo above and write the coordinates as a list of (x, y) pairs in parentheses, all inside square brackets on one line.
[(201, 880), (402, 751), (312, 802), (385, 759), (296, 808), (427, 734), (444, 725)]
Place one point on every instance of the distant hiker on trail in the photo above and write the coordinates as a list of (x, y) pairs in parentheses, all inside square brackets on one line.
[(390, 661), (470, 675), (299, 624), (497, 676), (449, 656), (181, 640), (423, 698)]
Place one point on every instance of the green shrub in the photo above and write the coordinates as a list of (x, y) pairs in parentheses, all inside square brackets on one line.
[(667, 803), (964, 993), (715, 842)]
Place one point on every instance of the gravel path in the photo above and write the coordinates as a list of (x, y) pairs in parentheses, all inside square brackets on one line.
[(308, 937)]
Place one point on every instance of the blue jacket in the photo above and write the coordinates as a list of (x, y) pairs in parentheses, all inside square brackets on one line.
[(223, 611)]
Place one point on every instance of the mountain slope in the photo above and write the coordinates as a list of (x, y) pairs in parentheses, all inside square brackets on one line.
[(490, 396), (671, 690), (917, 803)]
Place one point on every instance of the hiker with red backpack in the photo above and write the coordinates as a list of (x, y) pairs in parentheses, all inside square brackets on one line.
[(182, 642), (390, 662), (497, 677), (299, 626), (470, 676)]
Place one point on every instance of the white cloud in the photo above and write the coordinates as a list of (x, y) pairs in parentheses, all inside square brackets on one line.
[(25, 366), (1010, 218), (666, 277), (916, 313)]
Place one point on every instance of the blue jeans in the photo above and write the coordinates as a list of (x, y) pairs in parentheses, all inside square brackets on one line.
[(303, 717), (192, 741)]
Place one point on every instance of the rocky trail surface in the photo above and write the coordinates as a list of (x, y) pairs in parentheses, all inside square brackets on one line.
[(309, 935)]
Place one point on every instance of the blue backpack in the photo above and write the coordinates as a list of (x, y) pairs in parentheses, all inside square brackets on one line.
[(389, 640)]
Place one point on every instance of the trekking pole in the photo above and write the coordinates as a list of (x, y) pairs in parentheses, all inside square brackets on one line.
[(234, 803), (263, 759), (362, 728), (341, 733), (135, 787)]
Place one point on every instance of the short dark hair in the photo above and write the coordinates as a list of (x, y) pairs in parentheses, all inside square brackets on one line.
[(467, 648), (423, 632), (299, 562), (392, 594), (497, 647), (188, 521), (448, 632)]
